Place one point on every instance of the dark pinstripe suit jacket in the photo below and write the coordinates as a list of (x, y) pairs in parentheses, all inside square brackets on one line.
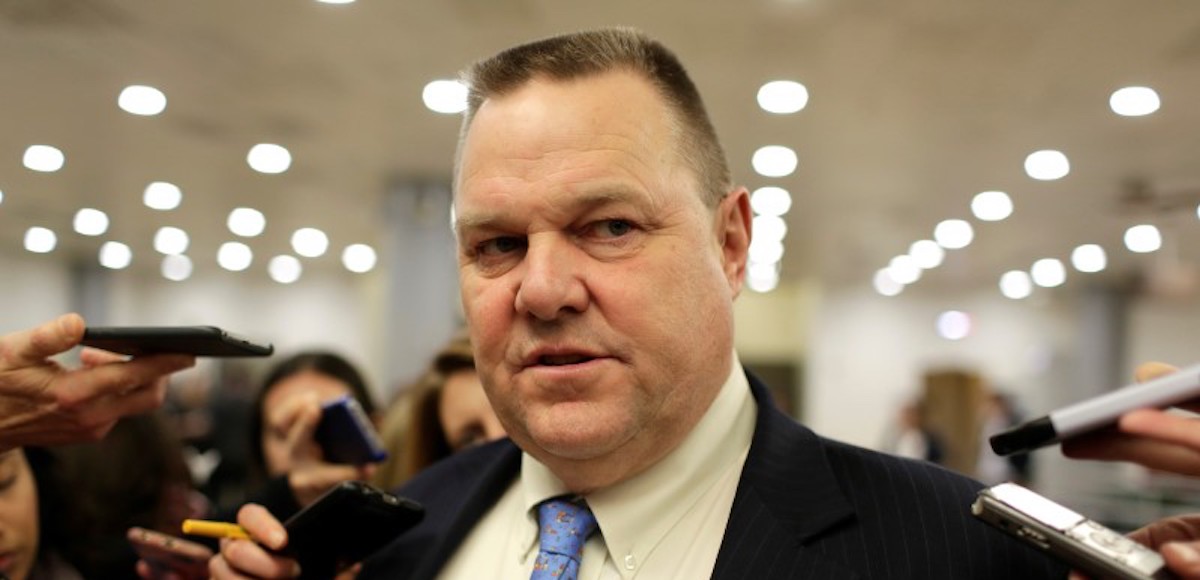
[(806, 507)]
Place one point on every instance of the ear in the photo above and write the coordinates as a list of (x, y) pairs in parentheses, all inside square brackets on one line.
[(733, 229)]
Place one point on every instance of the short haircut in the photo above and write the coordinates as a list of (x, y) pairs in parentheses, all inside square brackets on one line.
[(591, 53)]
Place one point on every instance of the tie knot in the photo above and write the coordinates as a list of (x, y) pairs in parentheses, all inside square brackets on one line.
[(565, 526)]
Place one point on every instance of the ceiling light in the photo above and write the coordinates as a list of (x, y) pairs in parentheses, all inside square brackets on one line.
[(90, 222), (926, 254), (170, 240), (1047, 165), (246, 222), (769, 227), (162, 196), (953, 234), (269, 158), (284, 269), (310, 242), (885, 284), (142, 100), (774, 161), (777, 201), (904, 269), (1089, 258), (234, 256), (1015, 284), (2, 197), (44, 158), (115, 255), (1134, 101), (762, 277), (782, 97), (445, 96), (359, 258), (954, 325), (1048, 273), (766, 251), (177, 267), (40, 240), (1143, 239), (991, 206)]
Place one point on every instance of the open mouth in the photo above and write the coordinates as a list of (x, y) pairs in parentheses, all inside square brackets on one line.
[(562, 360)]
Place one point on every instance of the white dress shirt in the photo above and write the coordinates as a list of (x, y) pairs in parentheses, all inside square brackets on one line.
[(666, 522)]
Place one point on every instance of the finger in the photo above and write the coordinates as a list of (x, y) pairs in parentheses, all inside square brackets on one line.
[(304, 416), (83, 385), (1152, 370), (1149, 453), (262, 526), (28, 347), (245, 556), (1183, 558), (1163, 426), (220, 569)]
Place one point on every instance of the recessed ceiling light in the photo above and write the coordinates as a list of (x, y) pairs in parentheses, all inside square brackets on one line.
[(1089, 258), (782, 97), (162, 196), (44, 158), (269, 158), (445, 96), (115, 255), (310, 242), (359, 258), (1047, 165), (170, 240), (176, 267), (1134, 101), (991, 206), (1143, 239), (1015, 284), (142, 100), (773, 201), (246, 222), (90, 222), (774, 161), (1048, 273), (234, 256), (284, 269), (953, 234), (40, 240)]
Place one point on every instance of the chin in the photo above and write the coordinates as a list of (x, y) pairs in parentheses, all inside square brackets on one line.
[(579, 444)]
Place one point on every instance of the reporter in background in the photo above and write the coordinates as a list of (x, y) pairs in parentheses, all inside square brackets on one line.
[(44, 403), (1160, 440)]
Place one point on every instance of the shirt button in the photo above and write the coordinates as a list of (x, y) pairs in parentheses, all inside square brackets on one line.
[(630, 562)]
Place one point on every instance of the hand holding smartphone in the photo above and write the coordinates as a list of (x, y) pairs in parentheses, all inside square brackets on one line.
[(166, 554), (1083, 543), (1098, 412), (345, 525), (194, 340)]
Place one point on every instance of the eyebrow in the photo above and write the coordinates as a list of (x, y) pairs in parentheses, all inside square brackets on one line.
[(587, 201)]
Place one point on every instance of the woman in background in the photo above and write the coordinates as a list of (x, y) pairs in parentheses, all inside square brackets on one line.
[(445, 411)]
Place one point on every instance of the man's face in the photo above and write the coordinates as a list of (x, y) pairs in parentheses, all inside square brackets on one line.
[(597, 285)]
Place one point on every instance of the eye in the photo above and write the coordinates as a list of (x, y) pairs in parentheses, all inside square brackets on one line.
[(500, 246), (613, 228)]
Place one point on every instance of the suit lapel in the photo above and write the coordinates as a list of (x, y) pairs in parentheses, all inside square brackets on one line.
[(495, 480), (786, 497)]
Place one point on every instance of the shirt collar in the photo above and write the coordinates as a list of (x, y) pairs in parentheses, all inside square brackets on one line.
[(635, 514)]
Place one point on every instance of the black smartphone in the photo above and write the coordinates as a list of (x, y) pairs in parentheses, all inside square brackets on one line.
[(344, 526), (346, 434), (195, 340)]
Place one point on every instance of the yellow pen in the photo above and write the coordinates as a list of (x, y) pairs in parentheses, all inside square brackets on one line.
[(215, 529)]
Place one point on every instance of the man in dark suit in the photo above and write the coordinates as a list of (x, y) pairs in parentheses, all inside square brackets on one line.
[(601, 245)]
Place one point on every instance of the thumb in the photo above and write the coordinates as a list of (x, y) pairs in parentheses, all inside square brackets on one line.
[(34, 345)]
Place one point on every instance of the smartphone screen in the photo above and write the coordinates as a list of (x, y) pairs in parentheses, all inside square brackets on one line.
[(346, 525), (196, 340)]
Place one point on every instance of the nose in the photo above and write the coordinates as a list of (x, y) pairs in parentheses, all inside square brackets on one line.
[(552, 284)]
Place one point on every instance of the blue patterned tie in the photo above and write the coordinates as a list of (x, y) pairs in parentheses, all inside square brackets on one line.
[(563, 527)]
